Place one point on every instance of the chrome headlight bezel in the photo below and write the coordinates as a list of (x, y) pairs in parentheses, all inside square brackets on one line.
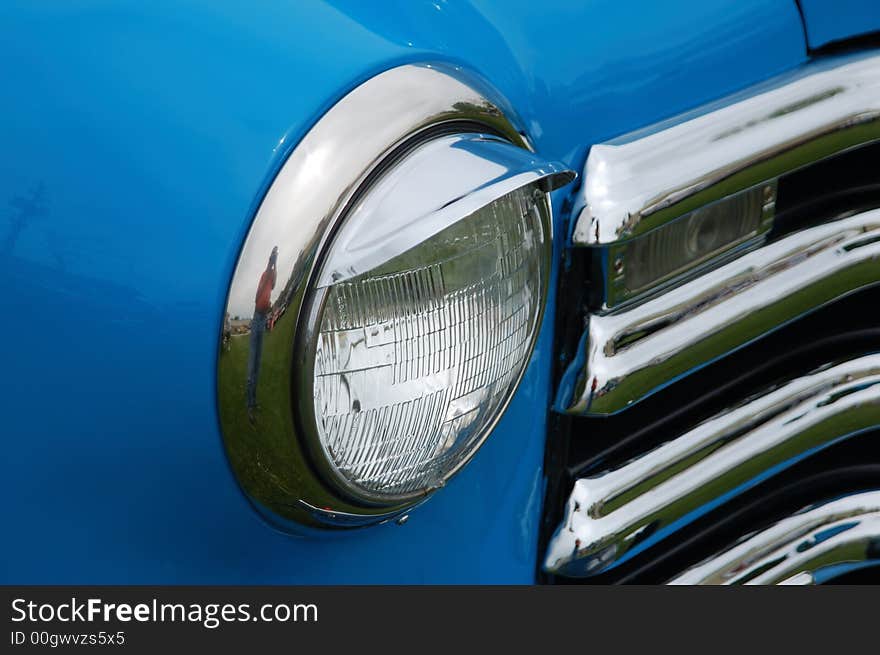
[(352, 145)]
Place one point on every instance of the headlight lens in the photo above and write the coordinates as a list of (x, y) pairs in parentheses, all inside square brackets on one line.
[(413, 361)]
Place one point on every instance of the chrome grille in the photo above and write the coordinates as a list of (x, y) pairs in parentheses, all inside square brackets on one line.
[(722, 401)]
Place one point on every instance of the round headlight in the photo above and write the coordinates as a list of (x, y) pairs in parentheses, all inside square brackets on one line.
[(392, 292), (409, 363)]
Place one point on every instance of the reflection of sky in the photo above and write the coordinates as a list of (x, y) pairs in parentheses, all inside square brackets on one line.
[(260, 241)]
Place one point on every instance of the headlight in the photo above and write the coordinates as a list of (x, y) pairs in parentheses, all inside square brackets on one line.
[(411, 280), (413, 360)]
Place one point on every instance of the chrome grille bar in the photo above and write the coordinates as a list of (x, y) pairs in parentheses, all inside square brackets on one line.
[(801, 549), (662, 310), (641, 180), (628, 354), (612, 516)]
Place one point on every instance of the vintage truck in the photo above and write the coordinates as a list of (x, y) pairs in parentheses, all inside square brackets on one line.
[(440, 291)]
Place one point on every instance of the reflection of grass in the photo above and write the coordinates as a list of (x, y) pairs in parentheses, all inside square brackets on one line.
[(261, 454), (740, 333), (850, 419), (728, 340), (843, 553), (266, 456), (760, 322), (789, 160)]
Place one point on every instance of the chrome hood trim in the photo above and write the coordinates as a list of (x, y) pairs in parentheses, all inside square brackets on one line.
[(802, 549), (628, 354), (614, 515), (641, 180)]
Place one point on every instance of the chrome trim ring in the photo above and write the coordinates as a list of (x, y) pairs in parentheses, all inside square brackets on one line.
[(355, 141)]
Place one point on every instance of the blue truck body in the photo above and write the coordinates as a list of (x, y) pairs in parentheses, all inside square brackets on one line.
[(138, 139)]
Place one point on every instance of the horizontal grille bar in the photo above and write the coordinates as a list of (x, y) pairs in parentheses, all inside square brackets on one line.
[(613, 516), (642, 180), (801, 549), (629, 354)]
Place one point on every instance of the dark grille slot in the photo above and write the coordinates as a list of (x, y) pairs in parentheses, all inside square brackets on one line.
[(843, 184)]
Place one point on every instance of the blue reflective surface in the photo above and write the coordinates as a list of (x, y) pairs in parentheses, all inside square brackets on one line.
[(137, 140), (828, 20), (829, 573)]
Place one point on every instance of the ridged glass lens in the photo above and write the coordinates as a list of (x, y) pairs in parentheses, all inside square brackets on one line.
[(415, 359), (690, 240)]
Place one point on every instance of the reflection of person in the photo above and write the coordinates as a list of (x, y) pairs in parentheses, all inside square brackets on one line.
[(262, 305), (227, 333)]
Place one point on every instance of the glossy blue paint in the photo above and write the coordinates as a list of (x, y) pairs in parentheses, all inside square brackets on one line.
[(833, 20), (137, 140)]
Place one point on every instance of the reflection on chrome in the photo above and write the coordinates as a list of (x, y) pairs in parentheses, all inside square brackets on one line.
[(355, 147), (642, 180), (350, 520), (430, 188), (628, 354), (614, 515), (814, 544), (703, 238)]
